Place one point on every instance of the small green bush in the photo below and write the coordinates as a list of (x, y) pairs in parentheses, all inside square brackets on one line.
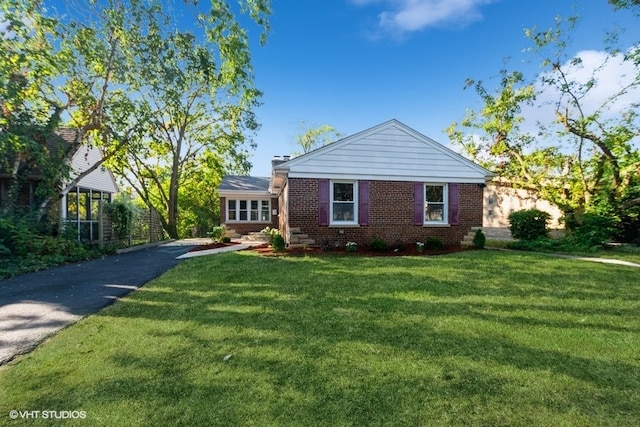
[(217, 233), (226, 239), (528, 224), (278, 243), (433, 243), (270, 233), (479, 239), (378, 245)]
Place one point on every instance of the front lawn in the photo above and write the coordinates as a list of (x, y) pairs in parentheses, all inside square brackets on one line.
[(475, 338)]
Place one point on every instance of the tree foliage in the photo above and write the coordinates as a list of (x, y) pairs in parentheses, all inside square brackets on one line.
[(190, 112), (29, 109), (166, 106), (311, 138), (586, 159)]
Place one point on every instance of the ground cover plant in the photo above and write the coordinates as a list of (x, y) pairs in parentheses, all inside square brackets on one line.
[(474, 338)]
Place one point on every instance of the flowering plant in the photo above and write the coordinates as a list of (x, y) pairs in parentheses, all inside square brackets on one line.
[(419, 246), (351, 246)]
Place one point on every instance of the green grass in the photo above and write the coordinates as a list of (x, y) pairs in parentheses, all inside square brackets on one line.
[(476, 338)]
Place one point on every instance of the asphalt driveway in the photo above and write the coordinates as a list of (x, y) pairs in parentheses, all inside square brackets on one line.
[(35, 306)]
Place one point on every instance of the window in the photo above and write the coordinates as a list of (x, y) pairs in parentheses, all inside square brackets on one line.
[(83, 212), (231, 210), (343, 203), (72, 205), (435, 203), (265, 209), (249, 210)]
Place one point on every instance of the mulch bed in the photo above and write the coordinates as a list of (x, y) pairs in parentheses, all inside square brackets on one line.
[(361, 251)]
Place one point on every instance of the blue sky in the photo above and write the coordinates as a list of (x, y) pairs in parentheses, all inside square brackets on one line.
[(353, 64)]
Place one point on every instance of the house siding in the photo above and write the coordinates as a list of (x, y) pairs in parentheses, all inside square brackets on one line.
[(99, 179), (387, 152), (391, 214)]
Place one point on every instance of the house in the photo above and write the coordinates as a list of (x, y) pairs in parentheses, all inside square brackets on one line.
[(79, 207), (501, 199), (388, 182)]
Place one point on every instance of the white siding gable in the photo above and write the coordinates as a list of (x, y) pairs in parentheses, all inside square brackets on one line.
[(390, 151), (99, 179)]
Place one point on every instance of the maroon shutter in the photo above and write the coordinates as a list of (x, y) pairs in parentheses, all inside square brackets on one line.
[(418, 211), (323, 202), (454, 204), (363, 202)]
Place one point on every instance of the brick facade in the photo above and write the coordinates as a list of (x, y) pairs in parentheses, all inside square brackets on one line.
[(391, 215)]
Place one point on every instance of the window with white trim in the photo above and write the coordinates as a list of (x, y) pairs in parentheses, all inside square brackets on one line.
[(343, 202), (248, 210), (435, 204)]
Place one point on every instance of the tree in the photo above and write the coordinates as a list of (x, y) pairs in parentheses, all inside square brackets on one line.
[(158, 101), (311, 138), (607, 153), (58, 75), (29, 110), (193, 96), (587, 158), (626, 4)]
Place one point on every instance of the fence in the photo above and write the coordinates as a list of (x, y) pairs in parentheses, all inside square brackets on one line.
[(144, 227)]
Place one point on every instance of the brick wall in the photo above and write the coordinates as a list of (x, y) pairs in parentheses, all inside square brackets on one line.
[(246, 227), (391, 215)]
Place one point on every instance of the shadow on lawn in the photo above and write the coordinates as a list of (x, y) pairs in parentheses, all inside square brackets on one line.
[(308, 346)]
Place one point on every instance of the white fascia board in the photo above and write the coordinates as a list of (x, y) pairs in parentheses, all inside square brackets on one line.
[(244, 194), (409, 178)]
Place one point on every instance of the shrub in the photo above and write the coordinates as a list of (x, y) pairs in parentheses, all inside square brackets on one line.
[(270, 233), (278, 242), (528, 224), (593, 229), (351, 246), (217, 233), (378, 245), (479, 239), (121, 218), (433, 243), (545, 244), (226, 239)]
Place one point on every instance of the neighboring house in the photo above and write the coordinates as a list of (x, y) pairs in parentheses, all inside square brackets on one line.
[(388, 182), (79, 208), (500, 200)]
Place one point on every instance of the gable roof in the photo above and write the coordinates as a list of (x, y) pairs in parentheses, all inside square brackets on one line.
[(390, 151), (60, 145), (232, 184)]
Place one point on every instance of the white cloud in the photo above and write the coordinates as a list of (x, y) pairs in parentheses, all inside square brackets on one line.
[(610, 75), (406, 16)]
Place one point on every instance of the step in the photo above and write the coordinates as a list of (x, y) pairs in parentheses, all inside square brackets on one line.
[(256, 236), (232, 234)]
